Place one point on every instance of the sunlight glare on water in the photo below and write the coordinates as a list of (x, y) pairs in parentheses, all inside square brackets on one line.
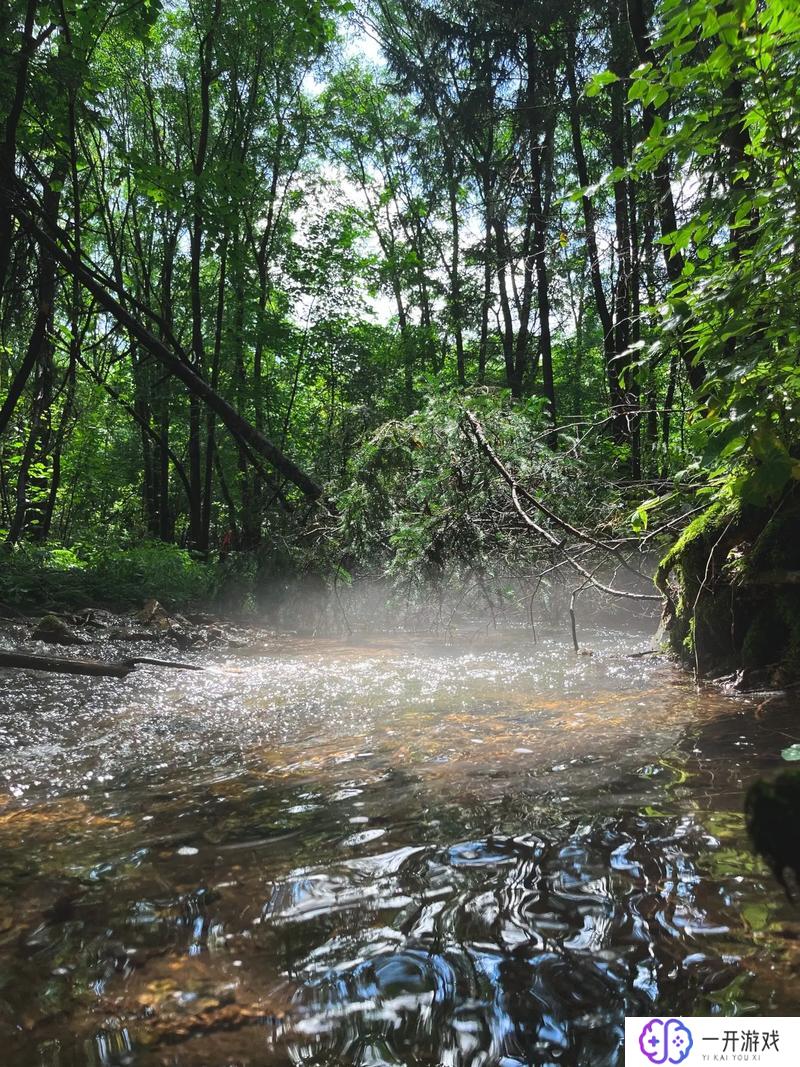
[(390, 851)]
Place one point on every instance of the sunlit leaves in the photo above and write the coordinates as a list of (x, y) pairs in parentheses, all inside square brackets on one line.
[(641, 515), (725, 73), (600, 81)]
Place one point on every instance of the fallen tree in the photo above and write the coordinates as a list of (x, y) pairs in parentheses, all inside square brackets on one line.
[(237, 424), (608, 551), (98, 668)]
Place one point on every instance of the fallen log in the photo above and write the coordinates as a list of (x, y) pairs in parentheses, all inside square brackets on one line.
[(99, 668)]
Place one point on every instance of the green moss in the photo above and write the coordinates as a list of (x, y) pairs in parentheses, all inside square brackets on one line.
[(697, 539), (777, 546), (697, 557), (718, 619)]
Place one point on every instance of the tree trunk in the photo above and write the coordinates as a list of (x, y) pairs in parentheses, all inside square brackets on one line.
[(540, 164), (673, 260), (456, 309), (8, 146), (592, 254), (241, 429)]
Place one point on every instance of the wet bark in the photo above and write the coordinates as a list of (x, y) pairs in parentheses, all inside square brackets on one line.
[(98, 668)]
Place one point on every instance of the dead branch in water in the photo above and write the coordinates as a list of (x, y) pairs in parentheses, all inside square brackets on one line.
[(609, 550), (518, 490), (98, 668)]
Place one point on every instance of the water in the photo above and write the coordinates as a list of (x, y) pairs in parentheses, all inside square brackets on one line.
[(394, 851)]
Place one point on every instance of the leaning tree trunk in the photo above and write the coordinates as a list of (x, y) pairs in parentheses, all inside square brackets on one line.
[(174, 364)]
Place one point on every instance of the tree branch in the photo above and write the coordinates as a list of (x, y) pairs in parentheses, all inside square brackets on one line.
[(517, 490)]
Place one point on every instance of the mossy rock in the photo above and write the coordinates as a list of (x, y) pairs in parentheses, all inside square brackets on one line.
[(53, 630), (720, 616)]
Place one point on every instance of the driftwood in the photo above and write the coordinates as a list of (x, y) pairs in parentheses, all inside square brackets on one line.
[(99, 668)]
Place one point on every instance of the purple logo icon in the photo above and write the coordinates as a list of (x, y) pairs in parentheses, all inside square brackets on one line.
[(665, 1041)]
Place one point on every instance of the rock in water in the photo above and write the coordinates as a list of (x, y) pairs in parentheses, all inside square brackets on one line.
[(55, 631), (773, 821), (152, 614)]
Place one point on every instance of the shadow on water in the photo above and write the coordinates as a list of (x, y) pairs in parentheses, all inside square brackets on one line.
[(397, 852)]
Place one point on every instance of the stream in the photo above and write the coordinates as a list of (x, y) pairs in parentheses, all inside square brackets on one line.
[(398, 850)]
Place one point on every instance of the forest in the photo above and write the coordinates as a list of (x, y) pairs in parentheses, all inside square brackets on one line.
[(258, 261), (407, 317)]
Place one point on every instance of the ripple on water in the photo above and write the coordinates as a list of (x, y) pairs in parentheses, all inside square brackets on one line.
[(303, 855)]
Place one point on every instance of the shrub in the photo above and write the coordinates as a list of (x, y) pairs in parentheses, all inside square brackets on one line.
[(66, 577)]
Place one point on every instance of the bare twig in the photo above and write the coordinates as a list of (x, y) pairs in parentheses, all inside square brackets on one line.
[(517, 490)]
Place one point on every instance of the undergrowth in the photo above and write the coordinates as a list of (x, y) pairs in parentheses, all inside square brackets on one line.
[(81, 575)]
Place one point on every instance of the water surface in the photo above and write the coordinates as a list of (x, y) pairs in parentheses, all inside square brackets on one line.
[(386, 851)]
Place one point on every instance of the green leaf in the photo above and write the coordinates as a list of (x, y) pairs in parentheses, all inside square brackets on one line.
[(596, 84), (638, 90), (639, 520)]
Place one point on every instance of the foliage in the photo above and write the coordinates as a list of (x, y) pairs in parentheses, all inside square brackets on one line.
[(299, 266), (81, 575), (725, 88), (424, 508)]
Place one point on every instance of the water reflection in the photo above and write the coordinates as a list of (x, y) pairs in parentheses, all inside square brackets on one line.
[(394, 853), (524, 950)]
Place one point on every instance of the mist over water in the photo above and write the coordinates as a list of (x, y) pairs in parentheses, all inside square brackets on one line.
[(378, 849), (455, 605)]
